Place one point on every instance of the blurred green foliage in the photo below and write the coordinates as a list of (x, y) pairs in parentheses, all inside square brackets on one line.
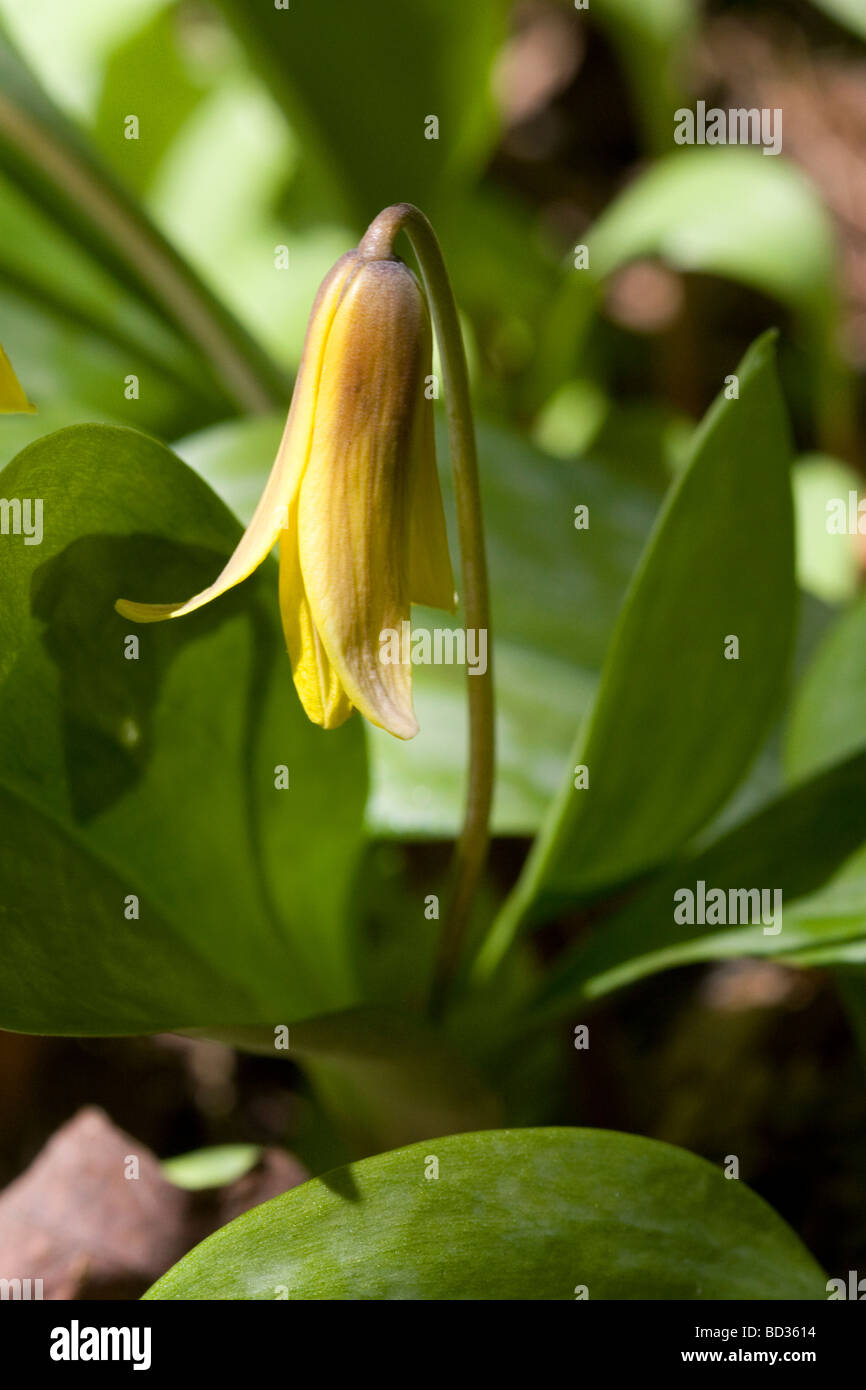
[(187, 258)]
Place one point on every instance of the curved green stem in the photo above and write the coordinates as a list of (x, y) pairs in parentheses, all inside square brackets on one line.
[(471, 848)]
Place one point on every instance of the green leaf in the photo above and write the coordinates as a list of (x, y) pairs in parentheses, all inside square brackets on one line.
[(552, 622), (794, 844), (675, 724), (734, 212), (826, 723), (827, 564), (42, 152), (726, 211), (849, 13), (385, 78), (155, 776), (828, 715), (213, 1167), (511, 1214), (78, 332), (148, 74)]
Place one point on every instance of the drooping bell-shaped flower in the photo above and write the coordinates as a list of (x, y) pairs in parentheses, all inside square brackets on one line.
[(353, 498)]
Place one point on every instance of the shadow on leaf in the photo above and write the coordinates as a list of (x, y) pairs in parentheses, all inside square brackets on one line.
[(110, 686)]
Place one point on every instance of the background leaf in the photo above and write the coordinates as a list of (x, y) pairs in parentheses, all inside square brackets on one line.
[(372, 135), (826, 722), (848, 13), (146, 76), (828, 714), (675, 724), (726, 211), (827, 565), (44, 156), (215, 1166), (794, 844)]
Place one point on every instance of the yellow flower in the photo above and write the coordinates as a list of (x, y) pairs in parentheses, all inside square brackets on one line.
[(353, 498), (12, 399)]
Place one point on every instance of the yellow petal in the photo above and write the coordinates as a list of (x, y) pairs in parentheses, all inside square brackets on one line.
[(12, 398), (354, 498), (319, 689), (270, 516), (431, 579)]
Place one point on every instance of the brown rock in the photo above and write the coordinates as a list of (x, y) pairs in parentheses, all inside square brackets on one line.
[(94, 1217)]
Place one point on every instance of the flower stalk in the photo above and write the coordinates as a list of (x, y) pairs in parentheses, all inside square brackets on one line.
[(471, 848)]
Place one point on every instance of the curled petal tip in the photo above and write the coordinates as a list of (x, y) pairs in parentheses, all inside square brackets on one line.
[(409, 730), (399, 724), (146, 612)]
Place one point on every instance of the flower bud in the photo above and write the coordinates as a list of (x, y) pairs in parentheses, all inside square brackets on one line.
[(353, 497)]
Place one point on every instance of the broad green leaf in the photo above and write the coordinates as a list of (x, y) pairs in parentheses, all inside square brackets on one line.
[(551, 621), (155, 776), (43, 154), (530, 1214), (213, 1167), (20, 430), (676, 724), (794, 844), (386, 78), (828, 715)]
